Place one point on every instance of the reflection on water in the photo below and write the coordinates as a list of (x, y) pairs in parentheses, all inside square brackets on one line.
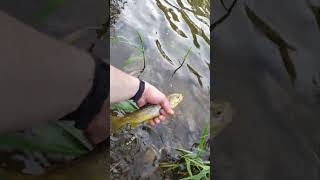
[(193, 71), (276, 39), (170, 13), (316, 12), (164, 55), (198, 21), (266, 63)]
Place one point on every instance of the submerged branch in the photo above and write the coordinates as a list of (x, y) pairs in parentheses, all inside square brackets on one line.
[(229, 10), (223, 5), (184, 59)]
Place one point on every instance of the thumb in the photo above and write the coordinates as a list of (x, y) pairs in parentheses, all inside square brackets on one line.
[(141, 102), (166, 106)]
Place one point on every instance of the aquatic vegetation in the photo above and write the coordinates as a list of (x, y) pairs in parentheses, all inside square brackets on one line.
[(183, 60), (190, 164), (138, 46), (126, 106), (225, 16), (141, 49)]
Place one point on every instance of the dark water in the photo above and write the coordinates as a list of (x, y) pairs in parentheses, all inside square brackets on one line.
[(266, 59)]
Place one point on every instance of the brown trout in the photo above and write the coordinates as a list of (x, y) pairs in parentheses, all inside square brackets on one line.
[(144, 114), (222, 116)]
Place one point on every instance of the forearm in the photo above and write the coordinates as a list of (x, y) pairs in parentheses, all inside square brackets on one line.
[(122, 85), (41, 79)]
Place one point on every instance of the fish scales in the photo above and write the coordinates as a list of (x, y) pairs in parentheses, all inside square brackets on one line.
[(144, 114)]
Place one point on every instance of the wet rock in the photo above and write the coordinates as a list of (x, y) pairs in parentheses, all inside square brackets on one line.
[(143, 166)]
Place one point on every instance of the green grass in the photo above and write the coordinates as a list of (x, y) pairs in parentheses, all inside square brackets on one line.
[(190, 165), (138, 46), (126, 106)]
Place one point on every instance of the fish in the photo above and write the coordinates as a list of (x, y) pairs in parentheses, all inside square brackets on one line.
[(222, 113), (146, 113)]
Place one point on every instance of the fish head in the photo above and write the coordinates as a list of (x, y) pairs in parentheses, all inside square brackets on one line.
[(175, 99)]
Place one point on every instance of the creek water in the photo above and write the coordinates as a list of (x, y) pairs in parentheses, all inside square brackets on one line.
[(266, 59)]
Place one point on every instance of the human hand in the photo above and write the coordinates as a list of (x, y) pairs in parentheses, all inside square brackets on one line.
[(98, 129), (153, 96)]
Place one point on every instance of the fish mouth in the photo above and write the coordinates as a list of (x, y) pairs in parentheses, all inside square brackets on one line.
[(180, 97), (176, 97)]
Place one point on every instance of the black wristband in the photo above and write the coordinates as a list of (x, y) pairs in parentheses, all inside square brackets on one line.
[(92, 104), (140, 91)]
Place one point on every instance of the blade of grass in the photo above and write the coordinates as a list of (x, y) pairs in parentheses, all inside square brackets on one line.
[(202, 140), (188, 167), (130, 60), (184, 60), (127, 106)]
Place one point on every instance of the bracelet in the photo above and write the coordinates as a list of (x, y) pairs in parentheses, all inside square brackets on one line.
[(140, 91)]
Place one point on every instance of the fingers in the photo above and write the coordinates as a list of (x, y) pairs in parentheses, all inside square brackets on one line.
[(161, 118), (151, 123), (166, 106), (141, 102), (163, 112), (157, 120), (96, 131)]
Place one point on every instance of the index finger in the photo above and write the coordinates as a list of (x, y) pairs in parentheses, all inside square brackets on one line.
[(166, 106)]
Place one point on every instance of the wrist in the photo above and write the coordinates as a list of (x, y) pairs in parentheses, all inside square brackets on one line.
[(139, 93)]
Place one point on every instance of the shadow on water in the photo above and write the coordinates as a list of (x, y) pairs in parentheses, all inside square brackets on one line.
[(266, 62)]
